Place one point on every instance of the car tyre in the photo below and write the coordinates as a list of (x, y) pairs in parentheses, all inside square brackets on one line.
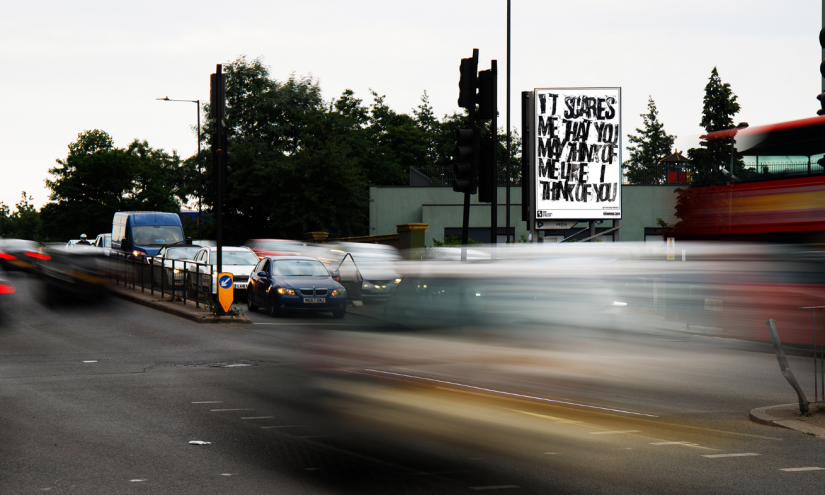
[(273, 308), (249, 304), (339, 313)]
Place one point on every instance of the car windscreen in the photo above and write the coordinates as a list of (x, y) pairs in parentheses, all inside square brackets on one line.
[(299, 268), (156, 235), (236, 258), (107, 241), (182, 253)]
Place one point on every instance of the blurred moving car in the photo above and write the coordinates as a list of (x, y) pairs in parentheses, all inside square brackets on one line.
[(103, 241), (275, 247), (301, 284), (376, 264), (19, 254), (78, 273), (237, 260), (169, 261)]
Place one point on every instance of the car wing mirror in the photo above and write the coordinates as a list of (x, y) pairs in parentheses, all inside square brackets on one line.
[(262, 274)]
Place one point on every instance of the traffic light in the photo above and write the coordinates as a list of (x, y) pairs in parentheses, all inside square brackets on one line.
[(486, 97), (486, 165), (468, 142), (467, 83), (821, 98)]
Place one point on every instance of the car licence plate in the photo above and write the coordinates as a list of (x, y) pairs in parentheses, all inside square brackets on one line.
[(240, 286), (314, 300)]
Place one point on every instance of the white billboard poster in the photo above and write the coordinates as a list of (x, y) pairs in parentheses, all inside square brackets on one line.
[(577, 150)]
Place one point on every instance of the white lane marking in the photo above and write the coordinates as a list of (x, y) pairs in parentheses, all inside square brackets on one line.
[(558, 421), (258, 417), (227, 474), (613, 432), (136, 481), (515, 395), (283, 426), (803, 469), (90, 361), (222, 410), (492, 487), (715, 456), (208, 402), (673, 443), (199, 442), (235, 365), (551, 453)]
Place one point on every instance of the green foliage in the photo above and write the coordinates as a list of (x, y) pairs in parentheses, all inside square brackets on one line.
[(84, 195), (23, 223), (650, 145), (720, 106)]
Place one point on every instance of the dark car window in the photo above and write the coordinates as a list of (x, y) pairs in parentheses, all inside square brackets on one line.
[(265, 268), (298, 268)]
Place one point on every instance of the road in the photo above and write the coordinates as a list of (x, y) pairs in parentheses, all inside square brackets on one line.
[(107, 398)]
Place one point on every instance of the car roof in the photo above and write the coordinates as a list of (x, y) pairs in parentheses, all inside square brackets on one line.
[(229, 248)]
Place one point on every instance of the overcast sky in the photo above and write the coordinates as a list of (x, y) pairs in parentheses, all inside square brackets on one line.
[(78, 65)]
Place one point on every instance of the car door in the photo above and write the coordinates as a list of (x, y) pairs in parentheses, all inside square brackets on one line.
[(264, 283)]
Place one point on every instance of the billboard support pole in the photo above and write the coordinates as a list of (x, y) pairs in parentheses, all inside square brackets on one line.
[(494, 165)]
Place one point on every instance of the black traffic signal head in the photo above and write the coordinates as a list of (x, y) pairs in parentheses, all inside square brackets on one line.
[(487, 178), (821, 98), (467, 83), (486, 97), (468, 142)]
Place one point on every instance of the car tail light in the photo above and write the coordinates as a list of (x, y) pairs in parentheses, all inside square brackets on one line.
[(39, 256), (6, 289), (4, 256)]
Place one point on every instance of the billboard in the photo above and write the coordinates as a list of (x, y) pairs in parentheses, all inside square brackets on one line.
[(577, 153)]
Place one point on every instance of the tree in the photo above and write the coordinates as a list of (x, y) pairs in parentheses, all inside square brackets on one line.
[(648, 147), (84, 195), (719, 108), (24, 223)]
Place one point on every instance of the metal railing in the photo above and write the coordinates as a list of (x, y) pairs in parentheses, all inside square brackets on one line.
[(666, 176), (182, 279)]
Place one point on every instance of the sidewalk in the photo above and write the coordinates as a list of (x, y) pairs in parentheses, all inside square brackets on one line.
[(177, 308), (788, 416)]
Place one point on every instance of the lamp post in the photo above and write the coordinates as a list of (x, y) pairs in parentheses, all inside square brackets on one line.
[(198, 102)]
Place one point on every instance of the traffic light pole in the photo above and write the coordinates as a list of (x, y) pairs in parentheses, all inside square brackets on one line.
[(218, 162)]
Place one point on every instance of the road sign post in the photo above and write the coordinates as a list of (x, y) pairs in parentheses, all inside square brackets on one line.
[(226, 290)]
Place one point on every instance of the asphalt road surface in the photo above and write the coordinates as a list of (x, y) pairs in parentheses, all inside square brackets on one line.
[(106, 398)]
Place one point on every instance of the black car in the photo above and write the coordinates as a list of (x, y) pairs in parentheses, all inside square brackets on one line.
[(295, 284)]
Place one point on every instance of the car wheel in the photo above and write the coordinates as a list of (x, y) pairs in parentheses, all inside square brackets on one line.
[(249, 304), (272, 309), (339, 313)]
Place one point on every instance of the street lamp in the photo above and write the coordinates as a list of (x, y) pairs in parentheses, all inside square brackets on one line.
[(198, 102)]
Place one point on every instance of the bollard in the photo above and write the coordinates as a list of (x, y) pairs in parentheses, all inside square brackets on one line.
[(784, 367)]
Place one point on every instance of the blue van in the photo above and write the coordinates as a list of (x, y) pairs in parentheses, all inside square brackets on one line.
[(142, 233)]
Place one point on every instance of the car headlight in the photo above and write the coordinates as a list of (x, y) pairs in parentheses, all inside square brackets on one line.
[(339, 292), (177, 270), (398, 281), (284, 290)]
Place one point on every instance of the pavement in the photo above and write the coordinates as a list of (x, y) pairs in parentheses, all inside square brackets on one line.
[(199, 314), (788, 416)]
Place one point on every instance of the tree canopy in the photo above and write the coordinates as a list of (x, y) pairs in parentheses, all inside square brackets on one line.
[(650, 145), (97, 179), (719, 108)]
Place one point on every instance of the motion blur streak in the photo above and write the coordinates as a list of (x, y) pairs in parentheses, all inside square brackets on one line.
[(540, 344), (517, 395)]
